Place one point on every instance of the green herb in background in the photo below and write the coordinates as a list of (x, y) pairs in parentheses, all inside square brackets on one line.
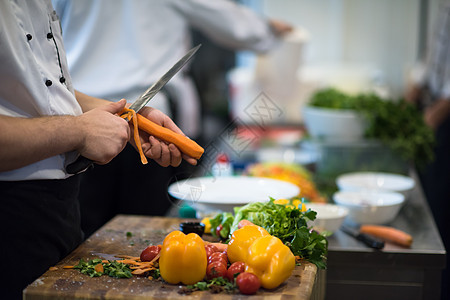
[(333, 99), (396, 123)]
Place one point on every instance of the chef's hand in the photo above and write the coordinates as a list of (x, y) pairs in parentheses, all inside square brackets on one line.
[(280, 28), (102, 143), (165, 154)]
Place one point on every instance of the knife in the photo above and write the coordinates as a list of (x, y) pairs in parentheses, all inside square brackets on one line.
[(82, 163), (370, 241)]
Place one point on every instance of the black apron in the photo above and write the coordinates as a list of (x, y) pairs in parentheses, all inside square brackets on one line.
[(40, 222)]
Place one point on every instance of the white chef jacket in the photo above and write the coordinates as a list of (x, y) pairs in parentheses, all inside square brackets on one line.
[(34, 77), (117, 48)]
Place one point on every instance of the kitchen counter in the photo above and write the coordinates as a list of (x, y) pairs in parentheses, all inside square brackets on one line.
[(112, 239), (358, 272)]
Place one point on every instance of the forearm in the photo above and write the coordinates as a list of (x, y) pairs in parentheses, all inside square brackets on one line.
[(24, 141), (88, 102), (437, 113)]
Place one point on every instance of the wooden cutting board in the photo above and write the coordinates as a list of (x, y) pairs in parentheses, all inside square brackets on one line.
[(112, 239)]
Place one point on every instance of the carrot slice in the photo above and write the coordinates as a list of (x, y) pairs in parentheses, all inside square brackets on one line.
[(185, 144), (68, 267), (99, 268), (388, 233)]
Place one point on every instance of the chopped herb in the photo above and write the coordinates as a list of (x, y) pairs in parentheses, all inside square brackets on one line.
[(110, 268), (212, 285), (129, 234)]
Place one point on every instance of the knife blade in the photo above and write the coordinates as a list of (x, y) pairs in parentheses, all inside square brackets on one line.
[(82, 163), (370, 241)]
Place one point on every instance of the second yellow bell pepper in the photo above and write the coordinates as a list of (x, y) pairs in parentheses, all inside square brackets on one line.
[(241, 240), (270, 260), (183, 258), (264, 255)]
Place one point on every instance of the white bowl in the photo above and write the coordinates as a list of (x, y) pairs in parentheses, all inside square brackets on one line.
[(221, 194), (334, 124), (358, 181), (370, 207), (329, 216)]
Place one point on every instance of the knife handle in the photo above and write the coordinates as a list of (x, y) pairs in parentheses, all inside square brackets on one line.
[(80, 164), (370, 241)]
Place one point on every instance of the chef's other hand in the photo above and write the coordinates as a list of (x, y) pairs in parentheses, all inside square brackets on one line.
[(102, 143), (165, 154), (279, 27)]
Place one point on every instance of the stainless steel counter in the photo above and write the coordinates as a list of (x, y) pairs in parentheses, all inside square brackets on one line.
[(358, 272)]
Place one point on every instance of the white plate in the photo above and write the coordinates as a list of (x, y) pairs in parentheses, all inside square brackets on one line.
[(224, 193), (375, 181)]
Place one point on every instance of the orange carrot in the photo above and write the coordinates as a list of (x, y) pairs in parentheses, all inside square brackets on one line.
[(185, 144), (388, 233), (243, 223)]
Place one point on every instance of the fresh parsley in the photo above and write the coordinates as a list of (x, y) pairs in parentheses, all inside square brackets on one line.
[(110, 268)]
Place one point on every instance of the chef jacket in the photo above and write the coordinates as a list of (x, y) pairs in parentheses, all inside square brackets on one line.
[(34, 77), (116, 49)]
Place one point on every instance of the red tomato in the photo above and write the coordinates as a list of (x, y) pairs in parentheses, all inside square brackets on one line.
[(235, 268), (149, 253), (210, 249), (218, 230), (216, 269), (218, 256), (248, 283)]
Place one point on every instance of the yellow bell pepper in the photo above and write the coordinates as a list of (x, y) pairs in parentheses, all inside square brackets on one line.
[(183, 258), (264, 255), (241, 241), (207, 224), (281, 201), (270, 260)]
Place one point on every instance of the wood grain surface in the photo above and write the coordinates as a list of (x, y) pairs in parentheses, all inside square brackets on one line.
[(112, 239)]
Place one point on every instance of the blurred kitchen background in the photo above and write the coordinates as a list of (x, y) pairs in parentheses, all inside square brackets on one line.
[(355, 45)]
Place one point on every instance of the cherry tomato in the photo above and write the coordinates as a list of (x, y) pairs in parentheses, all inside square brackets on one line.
[(216, 269), (218, 230), (149, 253), (210, 249), (235, 268), (218, 256), (248, 283)]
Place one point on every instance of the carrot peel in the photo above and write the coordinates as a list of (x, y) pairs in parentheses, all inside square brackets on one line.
[(131, 114)]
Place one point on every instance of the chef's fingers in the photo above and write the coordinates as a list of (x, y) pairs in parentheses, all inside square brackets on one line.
[(189, 159), (175, 156), (164, 161), (159, 152), (154, 151)]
